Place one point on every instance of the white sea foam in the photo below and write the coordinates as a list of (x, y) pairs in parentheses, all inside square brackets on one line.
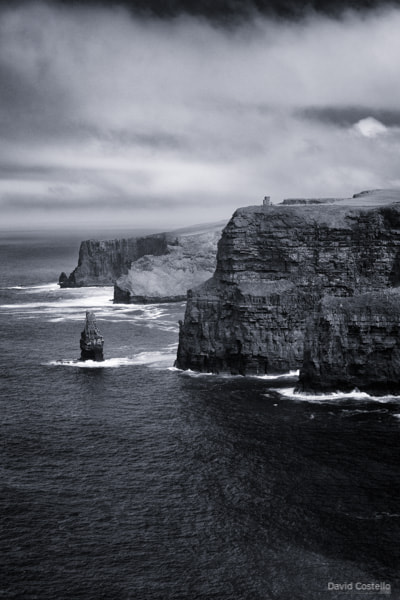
[(67, 305), (49, 287), (91, 364), (334, 396), (291, 374), (190, 373), (34, 288), (161, 359), (197, 374), (57, 299), (153, 359)]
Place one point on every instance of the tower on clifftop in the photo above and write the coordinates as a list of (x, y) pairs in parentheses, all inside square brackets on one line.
[(267, 200)]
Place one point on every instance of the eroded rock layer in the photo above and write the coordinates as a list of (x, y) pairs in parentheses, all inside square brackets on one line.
[(102, 262), (156, 268), (187, 262), (274, 264), (353, 342)]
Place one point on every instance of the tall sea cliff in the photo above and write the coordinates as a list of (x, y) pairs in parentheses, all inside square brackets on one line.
[(276, 266), (156, 268), (101, 262)]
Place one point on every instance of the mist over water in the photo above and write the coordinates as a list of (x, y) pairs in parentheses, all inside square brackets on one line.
[(130, 479)]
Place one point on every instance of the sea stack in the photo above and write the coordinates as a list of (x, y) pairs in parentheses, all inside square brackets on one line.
[(91, 340)]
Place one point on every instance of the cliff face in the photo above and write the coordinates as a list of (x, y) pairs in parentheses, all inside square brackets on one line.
[(231, 329), (189, 261), (274, 264), (353, 342), (102, 262)]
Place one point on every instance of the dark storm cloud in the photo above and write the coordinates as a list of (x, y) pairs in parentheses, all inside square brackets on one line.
[(235, 11), (181, 120)]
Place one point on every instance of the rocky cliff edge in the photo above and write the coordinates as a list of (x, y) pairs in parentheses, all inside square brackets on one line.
[(274, 266)]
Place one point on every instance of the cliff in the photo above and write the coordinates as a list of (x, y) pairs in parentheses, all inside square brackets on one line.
[(102, 262), (274, 264), (353, 342), (188, 262), (105, 262)]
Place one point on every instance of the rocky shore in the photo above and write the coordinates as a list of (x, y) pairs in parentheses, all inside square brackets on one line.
[(303, 285)]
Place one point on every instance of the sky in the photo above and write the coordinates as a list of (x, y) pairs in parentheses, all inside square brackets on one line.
[(123, 119)]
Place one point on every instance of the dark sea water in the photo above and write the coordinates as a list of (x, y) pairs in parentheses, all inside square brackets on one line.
[(132, 480)]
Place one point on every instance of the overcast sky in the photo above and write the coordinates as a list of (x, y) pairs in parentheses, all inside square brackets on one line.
[(110, 118)]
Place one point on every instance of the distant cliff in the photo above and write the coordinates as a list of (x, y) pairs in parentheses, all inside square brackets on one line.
[(102, 262), (274, 265), (187, 262), (155, 268)]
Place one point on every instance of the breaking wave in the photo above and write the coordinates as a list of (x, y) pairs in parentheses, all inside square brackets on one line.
[(34, 288), (152, 359), (58, 305), (61, 300), (290, 374), (333, 396), (190, 373)]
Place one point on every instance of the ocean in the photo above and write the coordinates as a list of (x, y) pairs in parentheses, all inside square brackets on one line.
[(130, 479)]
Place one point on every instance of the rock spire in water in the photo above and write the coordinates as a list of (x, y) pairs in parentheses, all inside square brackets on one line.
[(92, 341)]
